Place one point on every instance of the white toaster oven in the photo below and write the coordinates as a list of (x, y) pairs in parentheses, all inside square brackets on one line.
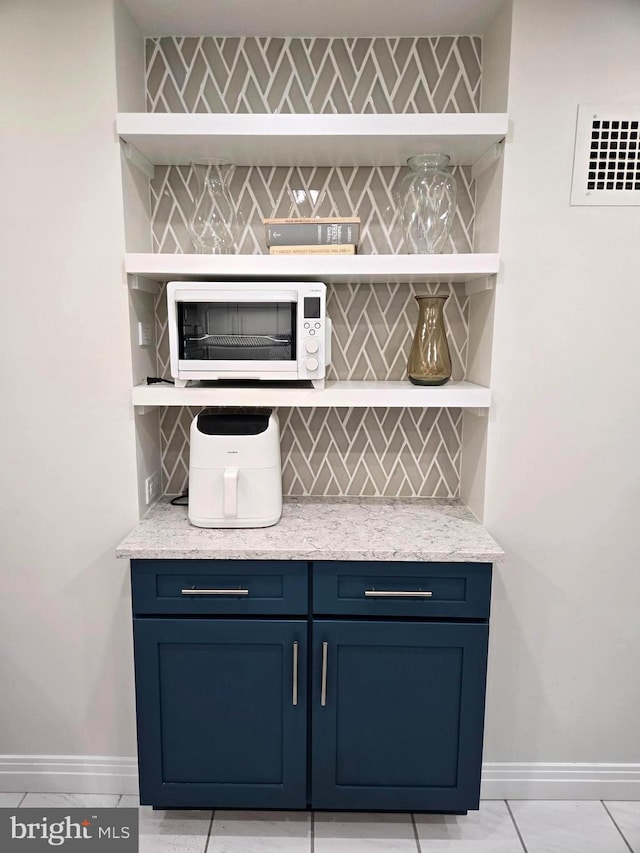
[(276, 330)]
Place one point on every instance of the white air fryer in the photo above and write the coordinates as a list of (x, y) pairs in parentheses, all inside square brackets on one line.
[(234, 468)]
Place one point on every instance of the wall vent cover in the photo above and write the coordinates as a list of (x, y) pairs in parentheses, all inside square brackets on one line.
[(606, 165)]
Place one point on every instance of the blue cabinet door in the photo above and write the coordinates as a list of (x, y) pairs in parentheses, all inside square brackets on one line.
[(222, 712), (397, 714)]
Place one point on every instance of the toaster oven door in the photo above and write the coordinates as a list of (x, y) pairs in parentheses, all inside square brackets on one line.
[(237, 337)]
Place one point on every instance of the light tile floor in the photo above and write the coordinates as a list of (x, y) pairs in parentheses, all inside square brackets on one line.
[(532, 826)]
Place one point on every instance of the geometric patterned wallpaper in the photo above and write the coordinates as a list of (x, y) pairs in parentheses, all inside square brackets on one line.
[(373, 328), (390, 452), (372, 452), (260, 192), (307, 75)]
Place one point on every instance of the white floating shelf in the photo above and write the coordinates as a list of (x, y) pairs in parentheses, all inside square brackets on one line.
[(398, 394), (310, 140), (331, 269)]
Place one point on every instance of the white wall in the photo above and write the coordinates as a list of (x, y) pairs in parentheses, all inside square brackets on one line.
[(563, 471), (68, 447)]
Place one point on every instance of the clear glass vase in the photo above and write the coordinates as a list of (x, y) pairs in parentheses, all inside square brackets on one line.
[(429, 359), (427, 203), (215, 223)]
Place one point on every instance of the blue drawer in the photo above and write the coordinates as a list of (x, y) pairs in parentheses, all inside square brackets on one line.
[(438, 590), (198, 587)]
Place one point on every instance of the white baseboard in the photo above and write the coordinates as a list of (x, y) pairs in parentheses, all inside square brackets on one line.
[(91, 774), (68, 774), (538, 781)]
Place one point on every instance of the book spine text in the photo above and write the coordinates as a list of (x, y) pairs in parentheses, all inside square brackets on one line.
[(316, 234), (337, 249)]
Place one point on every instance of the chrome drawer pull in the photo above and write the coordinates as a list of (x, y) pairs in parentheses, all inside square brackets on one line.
[(323, 687), (392, 593), (295, 674), (215, 592)]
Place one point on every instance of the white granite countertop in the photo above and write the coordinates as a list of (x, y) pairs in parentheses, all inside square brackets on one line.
[(323, 529)]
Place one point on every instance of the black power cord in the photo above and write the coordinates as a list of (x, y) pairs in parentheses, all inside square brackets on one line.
[(183, 499), (153, 380)]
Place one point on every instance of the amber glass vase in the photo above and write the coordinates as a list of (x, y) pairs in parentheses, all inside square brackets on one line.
[(429, 359)]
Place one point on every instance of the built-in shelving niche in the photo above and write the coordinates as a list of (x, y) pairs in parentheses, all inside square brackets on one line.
[(342, 446)]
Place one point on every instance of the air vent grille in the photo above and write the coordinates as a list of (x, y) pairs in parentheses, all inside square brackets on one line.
[(606, 167)]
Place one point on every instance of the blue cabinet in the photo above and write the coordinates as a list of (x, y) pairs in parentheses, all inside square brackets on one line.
[(397, 715), (222, 712), (328, 685)]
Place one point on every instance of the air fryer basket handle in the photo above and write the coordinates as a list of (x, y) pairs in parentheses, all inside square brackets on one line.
[(230, 493)]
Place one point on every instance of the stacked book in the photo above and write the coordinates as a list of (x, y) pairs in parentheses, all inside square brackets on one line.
[(331, 235)]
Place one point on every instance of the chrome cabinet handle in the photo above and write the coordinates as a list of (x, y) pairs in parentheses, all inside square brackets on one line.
[(392, 593), (323, 687), (294, 698), (215, 592)]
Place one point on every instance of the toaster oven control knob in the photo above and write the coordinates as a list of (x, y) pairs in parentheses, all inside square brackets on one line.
[(311, 364), (311, 346)]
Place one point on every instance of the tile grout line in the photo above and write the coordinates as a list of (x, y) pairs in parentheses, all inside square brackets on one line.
[(517, 828), (312, 833), (415, 832), (206, 844), (613, 820)]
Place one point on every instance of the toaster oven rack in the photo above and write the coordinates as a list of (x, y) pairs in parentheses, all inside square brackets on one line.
[(241, 340)]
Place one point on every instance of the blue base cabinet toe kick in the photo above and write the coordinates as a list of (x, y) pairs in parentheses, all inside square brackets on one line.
[(327, 685)]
